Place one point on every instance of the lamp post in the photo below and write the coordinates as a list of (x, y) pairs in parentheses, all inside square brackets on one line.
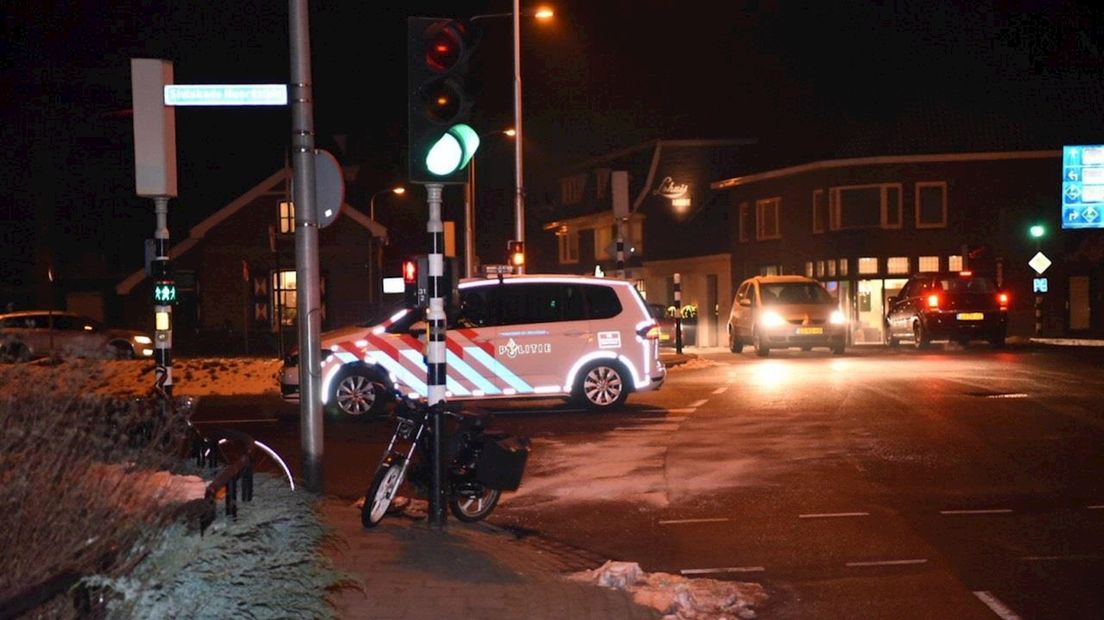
[(469, 209), (519, 183), (398, 191)]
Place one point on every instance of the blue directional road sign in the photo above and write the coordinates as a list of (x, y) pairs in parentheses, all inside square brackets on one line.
[(1083, 186)]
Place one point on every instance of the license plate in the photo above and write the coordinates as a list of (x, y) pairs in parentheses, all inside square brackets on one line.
[(810, 330), (971, 316)]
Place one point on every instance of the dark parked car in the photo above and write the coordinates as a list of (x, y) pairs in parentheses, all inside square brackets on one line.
[(957, 306), (666, 322), (38, 333)]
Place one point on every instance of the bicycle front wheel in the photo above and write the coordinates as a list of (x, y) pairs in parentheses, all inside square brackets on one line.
[(385, 485)]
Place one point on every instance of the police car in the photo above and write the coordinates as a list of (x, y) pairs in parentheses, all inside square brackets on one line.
[(526, 336)]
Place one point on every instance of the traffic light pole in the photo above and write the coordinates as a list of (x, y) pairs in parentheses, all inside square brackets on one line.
[(519, 178), (162, 313), (435, 348), (306, 248)]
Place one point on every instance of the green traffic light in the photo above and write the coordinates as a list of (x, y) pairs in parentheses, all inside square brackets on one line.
[(453, 150), (1037, 231)]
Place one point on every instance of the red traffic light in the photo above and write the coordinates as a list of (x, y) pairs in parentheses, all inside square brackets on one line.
[(410, 271), (445, 44), (515, 253)]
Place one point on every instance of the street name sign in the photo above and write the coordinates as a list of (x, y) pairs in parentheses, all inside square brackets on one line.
[(226, 94)]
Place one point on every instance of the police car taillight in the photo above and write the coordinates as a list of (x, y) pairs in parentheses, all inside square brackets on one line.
[(649, 331)]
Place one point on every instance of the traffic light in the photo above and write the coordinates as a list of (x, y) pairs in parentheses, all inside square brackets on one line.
[(415, 272), (1037, 231), (440, 99), (515, 253), (164, 286)]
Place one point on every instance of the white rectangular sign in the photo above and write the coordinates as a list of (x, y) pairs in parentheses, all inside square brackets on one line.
[(226, 94)]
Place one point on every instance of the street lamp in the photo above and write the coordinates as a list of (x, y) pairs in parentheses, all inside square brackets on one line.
[(469, 209), (398, 191), (519, 183)]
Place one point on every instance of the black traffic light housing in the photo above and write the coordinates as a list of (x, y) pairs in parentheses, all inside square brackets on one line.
[(515, 253), (440, 94)]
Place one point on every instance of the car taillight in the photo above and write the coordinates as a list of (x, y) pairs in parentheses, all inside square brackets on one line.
[(933, 301), (649, 331), (1003, 299)]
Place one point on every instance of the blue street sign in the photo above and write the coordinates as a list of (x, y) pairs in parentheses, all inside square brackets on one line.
[(1083, 186), (226, 94), (1039, 285)]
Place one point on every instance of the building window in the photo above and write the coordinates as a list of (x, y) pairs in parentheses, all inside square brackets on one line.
[(809, 269), (830, 270), (769, 270), (931, 204), (868, 265), (745, 222), (864, 206), (820, 212), (820, 269), (572, 188), (283, 298), (897, 264), (766, 219), (954, 263), (569, 246), (928, 263), (603, 237), (286, 215), (843, 266)]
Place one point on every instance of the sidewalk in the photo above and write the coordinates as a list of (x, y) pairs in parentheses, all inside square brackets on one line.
[(410, 571)]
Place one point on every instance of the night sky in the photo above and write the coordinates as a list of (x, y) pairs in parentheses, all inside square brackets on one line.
[(809, 80)]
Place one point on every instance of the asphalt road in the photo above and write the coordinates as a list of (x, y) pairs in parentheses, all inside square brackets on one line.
[(957, 483)]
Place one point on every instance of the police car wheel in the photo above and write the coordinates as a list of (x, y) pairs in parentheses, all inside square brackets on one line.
[(356, 393), (602, 386)]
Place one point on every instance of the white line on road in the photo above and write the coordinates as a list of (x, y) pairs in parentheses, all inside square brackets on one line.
[(1016, 395), (241, 421), (887, 563), (720, 390), (681, 521), (730, 569), (1059, 558), (683, 410), (828, 515), (696, 404), (980, 511), (1095, 507), (996, 605)]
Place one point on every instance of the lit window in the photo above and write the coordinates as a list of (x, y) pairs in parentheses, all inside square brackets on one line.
[(283, 298), (286, 216), (928, 263), (843, 266), (809, 269), (569, 246), (954, 263), (868, 265), (831, 268), (603, 237), (820, 269), (897, 264)]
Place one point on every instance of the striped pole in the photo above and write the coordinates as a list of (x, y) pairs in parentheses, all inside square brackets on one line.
[(435, 348), (678, 313), (162, 342), (620, 248)]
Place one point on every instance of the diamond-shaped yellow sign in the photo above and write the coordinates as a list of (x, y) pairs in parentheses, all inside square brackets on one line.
[(1039, 263)]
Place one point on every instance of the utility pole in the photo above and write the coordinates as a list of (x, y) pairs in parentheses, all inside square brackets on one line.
[(306, 247)]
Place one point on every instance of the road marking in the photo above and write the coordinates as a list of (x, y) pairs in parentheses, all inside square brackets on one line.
[(683, 410), (681, 521), (996, 605), (1059, 558), (980, 511), (828, 515), (1014, 395), (241, 421), (887, 563), (730, 569), (720, 390), (1095, 507), (696, 404)]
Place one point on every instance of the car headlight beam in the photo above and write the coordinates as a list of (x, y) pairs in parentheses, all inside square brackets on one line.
[(771, 318), (836, 318)]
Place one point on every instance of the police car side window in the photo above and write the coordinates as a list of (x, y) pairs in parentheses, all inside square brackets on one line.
[(529, 303), (602, 302)]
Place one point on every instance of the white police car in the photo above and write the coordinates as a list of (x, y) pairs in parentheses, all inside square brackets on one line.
[(586, 338)]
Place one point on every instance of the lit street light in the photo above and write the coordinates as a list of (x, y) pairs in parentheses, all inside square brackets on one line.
[(398, 191), (542, 13)]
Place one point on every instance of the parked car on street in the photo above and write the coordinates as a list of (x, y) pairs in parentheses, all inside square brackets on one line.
[(780, 312), (666, 324), (37, 333), (957, 306), (528, 336)]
